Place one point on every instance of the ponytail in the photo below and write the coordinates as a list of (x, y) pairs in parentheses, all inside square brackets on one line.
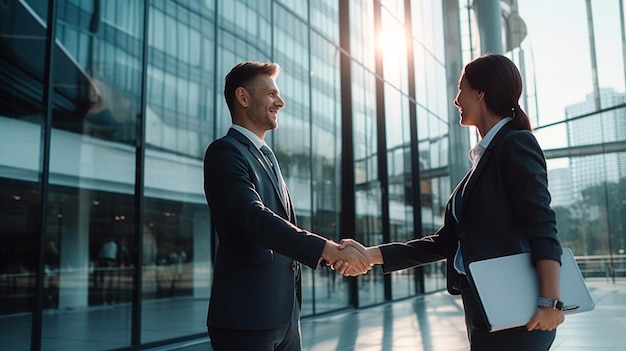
[(520, 119), (499, 78)]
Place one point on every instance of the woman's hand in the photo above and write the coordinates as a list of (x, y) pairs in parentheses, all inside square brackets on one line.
[(545, 318)]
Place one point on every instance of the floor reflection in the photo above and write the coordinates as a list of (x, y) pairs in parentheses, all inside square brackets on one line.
[(428, 323), (435, 322)]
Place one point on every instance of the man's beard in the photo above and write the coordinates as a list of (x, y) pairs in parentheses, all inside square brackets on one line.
[(261, 120)]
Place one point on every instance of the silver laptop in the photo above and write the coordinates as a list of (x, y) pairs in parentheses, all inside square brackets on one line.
[(508, 288)]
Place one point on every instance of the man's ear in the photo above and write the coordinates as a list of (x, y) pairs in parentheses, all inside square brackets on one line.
[(242, 97)]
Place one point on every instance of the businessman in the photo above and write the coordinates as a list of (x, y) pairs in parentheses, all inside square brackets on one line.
[(256, 293)]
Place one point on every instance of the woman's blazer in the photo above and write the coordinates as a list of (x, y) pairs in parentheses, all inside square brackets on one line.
[(505, 210)]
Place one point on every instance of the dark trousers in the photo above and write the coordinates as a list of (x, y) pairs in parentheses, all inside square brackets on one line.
[(515, 339), (286, 338)]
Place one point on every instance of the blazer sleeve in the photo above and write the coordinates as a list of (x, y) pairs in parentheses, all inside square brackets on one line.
[(526, 183), (417, 252), (233, 191)]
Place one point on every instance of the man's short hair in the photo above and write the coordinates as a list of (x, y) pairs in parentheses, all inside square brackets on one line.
[(242, 75)]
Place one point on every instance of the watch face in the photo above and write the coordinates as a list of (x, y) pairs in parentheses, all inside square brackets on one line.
[(559, 305)]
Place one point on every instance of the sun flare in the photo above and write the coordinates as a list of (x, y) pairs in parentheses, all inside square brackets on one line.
[(392, 41)]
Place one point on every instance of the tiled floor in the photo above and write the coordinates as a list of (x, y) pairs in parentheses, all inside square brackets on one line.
[(434, 322)]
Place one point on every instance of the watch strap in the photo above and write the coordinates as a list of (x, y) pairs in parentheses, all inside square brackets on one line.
[(546, 302)]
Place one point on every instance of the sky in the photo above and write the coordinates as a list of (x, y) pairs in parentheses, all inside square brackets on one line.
[(558, 44)]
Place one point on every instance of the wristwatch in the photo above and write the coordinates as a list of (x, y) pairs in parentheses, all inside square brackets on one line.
[(550, 303)]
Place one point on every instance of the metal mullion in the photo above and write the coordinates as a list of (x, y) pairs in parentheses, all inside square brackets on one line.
[(416, 193), (347, 221), (381, 131), (48, 95), (140, 149)]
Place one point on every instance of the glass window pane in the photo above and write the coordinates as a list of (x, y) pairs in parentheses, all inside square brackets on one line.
[(367, 184), (91, 209), (176, 252), (331, 290)]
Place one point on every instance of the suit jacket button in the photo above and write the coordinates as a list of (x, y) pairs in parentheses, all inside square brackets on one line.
[(294, 265), (462, 235)]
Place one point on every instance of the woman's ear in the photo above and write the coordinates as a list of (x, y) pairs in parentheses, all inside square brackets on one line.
[(480, 95), (242, 97)]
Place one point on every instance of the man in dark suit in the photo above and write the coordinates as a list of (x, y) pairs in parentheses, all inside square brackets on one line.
[(256, 293)]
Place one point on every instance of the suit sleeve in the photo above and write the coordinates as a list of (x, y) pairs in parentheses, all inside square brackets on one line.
[(231, 191), (417, 252), (525, 178)]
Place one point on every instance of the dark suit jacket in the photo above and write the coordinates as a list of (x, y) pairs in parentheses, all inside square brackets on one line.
[(506, 210), (254, 281)]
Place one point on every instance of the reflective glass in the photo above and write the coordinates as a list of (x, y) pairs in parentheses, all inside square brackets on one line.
[(91, 210), (392, 42), (608, 41), (22, 55), (325, 19), (362, 33), (95, 256), (400, 183), (432, 125), (176, 250), (586, 158), (295, 6), (368, 204), (367, 184), (331, 289), (308, 143)]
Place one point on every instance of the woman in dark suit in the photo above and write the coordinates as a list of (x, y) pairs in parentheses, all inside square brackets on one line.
[(501, 207)]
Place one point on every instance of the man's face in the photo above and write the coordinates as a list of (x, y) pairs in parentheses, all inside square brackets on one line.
[(265, 101)]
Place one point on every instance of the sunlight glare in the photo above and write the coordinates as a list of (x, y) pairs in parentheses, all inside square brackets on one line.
[(392, 42)]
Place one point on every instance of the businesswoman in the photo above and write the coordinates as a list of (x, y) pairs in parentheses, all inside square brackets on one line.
[(501, 207)]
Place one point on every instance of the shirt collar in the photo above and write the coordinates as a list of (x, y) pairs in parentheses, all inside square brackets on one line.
[(258, 142), (484, 142)]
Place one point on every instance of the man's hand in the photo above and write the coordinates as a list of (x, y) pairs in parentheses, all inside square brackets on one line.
[(373, 253), (346, 261)]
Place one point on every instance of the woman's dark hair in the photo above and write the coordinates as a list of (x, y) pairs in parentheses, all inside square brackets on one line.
[(500, 80), (242, 75)]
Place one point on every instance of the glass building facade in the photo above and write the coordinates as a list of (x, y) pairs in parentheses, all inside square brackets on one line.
[(107, 107)]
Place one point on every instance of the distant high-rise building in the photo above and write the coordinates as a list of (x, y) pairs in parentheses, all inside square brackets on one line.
[(597, 130), (560, 184)]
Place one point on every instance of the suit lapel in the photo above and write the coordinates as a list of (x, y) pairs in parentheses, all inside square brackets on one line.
[(454, 197), (484, 160), (461, 184), (264, 163)]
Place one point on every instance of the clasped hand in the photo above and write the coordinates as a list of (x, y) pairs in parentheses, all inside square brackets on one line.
[(348, 258)]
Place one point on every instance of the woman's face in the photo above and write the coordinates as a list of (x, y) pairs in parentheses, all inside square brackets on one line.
[(468, 102)]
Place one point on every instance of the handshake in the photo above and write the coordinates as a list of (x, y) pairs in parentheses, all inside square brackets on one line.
[(350, 258)]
